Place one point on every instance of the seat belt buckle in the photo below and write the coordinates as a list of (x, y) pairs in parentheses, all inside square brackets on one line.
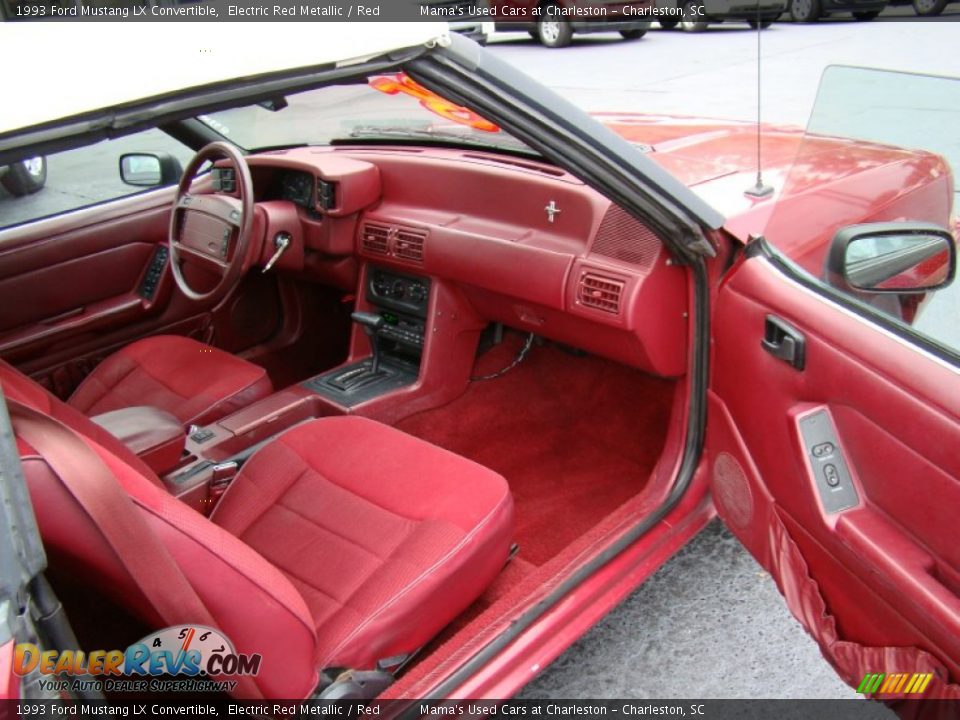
[(223, 475)]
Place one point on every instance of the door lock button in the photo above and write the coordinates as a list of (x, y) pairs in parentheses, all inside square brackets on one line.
[(823, 450), (831, 475)]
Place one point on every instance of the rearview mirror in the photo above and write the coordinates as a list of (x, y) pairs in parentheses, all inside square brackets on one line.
[(900, 258), (150, 169)]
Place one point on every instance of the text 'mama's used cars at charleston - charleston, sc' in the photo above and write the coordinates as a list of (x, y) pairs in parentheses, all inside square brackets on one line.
[(418, 370)]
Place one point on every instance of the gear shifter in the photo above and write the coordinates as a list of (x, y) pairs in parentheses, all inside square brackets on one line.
[(371, 324), (360, 374)]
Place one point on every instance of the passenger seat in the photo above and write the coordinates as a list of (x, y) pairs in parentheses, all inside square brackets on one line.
[(341, 543)]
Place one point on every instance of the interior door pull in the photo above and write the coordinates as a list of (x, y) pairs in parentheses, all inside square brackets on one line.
[(784, 341)]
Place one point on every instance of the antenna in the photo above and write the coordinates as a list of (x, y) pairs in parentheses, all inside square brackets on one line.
[(759, 190)]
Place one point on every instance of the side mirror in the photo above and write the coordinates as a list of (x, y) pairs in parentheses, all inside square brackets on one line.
[(899, 258), (150, 169)]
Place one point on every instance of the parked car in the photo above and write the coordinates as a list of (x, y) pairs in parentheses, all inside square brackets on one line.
[(554, 22), (24, 177), (698, 15), (924, 8), (813, 10), (428, 369)]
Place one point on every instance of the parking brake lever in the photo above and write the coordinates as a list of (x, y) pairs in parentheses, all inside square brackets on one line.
[(281, 242)]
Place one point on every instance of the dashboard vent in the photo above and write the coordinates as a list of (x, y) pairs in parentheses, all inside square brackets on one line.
[(600, 292), (622, 237), (375, 238), (408, 244)]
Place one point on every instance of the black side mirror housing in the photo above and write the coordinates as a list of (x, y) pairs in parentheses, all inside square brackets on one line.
[(155, 169), (898, 257)]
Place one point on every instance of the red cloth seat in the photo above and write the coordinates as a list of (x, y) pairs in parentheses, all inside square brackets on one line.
[(386, 537), (195, 382), (340, 543)]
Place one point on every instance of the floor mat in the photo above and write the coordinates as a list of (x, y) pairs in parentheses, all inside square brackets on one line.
[(574, 435)]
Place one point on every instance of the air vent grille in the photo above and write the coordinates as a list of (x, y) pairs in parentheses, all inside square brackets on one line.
[(408, 244), (375, 238), (622, 237), (600, 292), (402, 243)]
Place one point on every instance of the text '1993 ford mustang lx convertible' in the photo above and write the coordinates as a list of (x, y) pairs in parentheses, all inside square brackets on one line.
[(390, 371)]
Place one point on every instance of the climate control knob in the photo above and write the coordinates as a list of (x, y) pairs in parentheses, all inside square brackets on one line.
[(418, 293), (381, 285), (399, 289)]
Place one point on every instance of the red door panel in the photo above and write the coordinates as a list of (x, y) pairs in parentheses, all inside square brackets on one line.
[(885, 569), (70, 292), (54, 292)]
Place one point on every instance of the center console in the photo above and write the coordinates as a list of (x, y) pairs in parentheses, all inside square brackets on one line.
[(422, 336), (396, 328)]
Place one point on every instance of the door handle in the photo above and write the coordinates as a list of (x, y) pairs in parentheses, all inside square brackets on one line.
[(784, 341)]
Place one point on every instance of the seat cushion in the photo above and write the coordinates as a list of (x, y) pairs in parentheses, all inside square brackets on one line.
[(195, 382), (387, 537)]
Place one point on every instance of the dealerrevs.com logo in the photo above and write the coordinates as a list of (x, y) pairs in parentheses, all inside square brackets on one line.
[(181, 658)]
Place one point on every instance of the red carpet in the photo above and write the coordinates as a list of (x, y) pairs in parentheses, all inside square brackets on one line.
[(575, 436)]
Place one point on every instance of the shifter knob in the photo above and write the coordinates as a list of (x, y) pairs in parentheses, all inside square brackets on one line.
[(371, 322)]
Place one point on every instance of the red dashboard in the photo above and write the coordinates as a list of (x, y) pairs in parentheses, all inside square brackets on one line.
[(525, 243)]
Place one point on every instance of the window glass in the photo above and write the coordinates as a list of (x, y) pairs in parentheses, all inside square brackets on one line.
[(43, 186), (880, 147)]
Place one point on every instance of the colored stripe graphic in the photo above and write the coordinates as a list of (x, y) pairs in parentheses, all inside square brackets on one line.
[(894, 683), (870, 683)]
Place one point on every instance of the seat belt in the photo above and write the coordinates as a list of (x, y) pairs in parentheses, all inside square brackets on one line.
[(91, 483)]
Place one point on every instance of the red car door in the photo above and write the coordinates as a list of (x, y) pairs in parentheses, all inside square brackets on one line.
[(834, 429), (841, 473)]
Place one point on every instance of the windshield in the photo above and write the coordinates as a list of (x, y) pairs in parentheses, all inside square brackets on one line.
[(388, 107), (904, 128)]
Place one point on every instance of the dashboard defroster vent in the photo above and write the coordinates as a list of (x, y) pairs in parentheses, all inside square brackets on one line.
[(375, 238), (600, 292), (408, 244), (622, 237), (396, 241)]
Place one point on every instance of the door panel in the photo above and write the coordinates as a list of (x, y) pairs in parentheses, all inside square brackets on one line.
[(887, 566), (70, 292), (56, 292)]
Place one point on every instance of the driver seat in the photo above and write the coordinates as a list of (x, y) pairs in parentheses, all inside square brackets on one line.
[(196, 383)]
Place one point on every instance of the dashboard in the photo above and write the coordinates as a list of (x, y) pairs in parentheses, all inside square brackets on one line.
[(523, 242)]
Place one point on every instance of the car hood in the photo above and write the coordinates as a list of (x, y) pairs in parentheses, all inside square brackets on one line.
[(717, 159)]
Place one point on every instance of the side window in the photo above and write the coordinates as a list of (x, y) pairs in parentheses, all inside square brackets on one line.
[(41, 186), (882, 177)]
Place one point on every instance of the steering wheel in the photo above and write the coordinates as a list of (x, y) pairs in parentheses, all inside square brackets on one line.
[(212, 231)]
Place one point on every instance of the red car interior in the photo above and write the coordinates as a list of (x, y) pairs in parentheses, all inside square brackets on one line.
[(433, 245), (405, 287), (154, 435), (192, 381), (408, 543)]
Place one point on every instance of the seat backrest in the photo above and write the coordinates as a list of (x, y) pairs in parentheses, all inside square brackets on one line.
[(253, 603), (18, 386)]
